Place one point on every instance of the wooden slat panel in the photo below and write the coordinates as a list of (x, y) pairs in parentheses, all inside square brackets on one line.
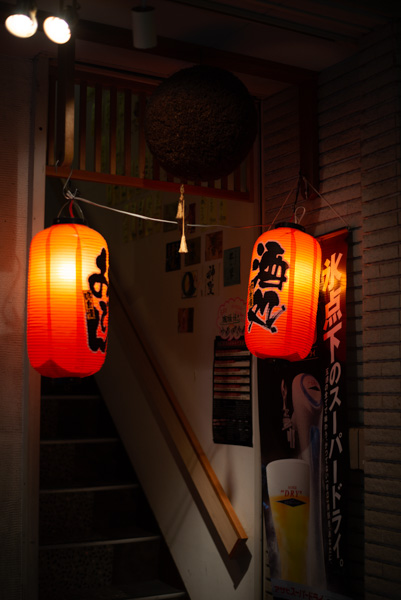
[(237, 179), (156, 170), (224, 183), (98, 129), (127, 132), (249, 176), (142, 140), (113, 130), (51, 120), (82, 125), (121, 131), (65, 104)]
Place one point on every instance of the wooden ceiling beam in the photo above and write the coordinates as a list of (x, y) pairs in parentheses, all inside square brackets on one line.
[(120, 37), (109, 35)]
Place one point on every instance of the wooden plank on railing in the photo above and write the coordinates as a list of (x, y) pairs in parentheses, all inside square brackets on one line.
[(142, 140), (178, 432), (51, 120), (127, 132), (113, 130), (98, 128), (237, 179), (82, 124)]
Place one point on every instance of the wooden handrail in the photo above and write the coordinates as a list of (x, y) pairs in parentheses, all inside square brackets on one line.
[(180, 436)]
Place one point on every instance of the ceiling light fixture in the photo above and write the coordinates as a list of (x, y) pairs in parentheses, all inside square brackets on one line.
[(144, 27), (22, 22), (58, 27)]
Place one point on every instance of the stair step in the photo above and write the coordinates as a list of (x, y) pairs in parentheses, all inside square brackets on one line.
[(69, 385), (76, 567), (93, 513), (93, 488), (144, 590), (74, 416), (84, 462), (101, 538)]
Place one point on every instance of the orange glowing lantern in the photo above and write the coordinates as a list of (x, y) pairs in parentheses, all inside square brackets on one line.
[(68, 299), (283, 294)]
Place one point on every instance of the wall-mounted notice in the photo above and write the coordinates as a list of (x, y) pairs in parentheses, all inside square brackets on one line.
[(232, 399), (232, 266)]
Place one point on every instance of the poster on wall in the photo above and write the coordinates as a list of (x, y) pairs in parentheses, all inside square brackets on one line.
[(232, 397), (305, 456)]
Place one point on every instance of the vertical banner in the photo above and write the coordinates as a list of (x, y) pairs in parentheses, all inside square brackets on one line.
[(304, 447)]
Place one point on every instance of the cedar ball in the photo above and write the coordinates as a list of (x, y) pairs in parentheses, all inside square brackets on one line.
[(200, 123)]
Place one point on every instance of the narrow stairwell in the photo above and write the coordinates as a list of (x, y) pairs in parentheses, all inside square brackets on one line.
[(98, 539)]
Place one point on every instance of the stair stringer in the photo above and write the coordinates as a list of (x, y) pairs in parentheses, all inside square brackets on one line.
[(204, 565)]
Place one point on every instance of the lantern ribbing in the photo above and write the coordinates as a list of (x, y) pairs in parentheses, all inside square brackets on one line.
[(283, 294), (67, 301)]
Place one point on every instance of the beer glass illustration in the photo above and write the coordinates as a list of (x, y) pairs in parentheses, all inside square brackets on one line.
[(307, 421), (288, 482)]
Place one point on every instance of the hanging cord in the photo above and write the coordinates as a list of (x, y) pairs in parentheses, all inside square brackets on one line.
[(294, 210), (181, 207), (299, 214), (71, 203), (71, 197), (281, 208), (327, 202), (181, 210)]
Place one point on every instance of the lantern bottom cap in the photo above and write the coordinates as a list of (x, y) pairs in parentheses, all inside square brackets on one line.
[(55, 371)]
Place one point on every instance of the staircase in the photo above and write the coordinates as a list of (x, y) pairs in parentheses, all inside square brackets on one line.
[(98, 539)]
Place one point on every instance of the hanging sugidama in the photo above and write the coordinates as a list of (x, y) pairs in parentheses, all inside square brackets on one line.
[(68, 300), (283, 294)]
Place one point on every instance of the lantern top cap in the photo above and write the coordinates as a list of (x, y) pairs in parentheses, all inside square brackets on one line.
[(64, 220), (291, 225)]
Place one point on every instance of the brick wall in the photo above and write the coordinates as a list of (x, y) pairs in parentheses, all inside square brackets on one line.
[(360, 177), (380, 76)]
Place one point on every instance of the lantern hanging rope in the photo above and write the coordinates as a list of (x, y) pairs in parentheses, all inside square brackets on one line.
[(128, 213)]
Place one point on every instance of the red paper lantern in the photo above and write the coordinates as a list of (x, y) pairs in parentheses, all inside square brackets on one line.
[(68, 299), (283, 294)]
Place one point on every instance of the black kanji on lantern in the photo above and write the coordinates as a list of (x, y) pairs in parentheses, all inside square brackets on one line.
[(271, 274), (98, 314)]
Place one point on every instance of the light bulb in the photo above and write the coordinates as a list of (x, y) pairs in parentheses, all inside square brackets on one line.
[(22, 25), (57, 30)]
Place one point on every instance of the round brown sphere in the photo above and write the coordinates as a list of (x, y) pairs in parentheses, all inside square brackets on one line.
[(200, 123)]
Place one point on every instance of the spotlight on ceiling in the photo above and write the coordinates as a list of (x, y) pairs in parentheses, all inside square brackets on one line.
[(22, 22), (58, 27), (144, 27)]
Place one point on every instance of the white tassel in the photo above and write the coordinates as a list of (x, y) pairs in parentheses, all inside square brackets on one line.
[(180, 213), (183, 246)]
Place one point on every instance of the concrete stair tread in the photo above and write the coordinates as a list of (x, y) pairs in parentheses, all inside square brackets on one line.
[(120, 535), (142, 590)]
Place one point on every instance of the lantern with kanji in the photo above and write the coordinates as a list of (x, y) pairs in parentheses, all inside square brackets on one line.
[(283, 294), (68, 300)]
